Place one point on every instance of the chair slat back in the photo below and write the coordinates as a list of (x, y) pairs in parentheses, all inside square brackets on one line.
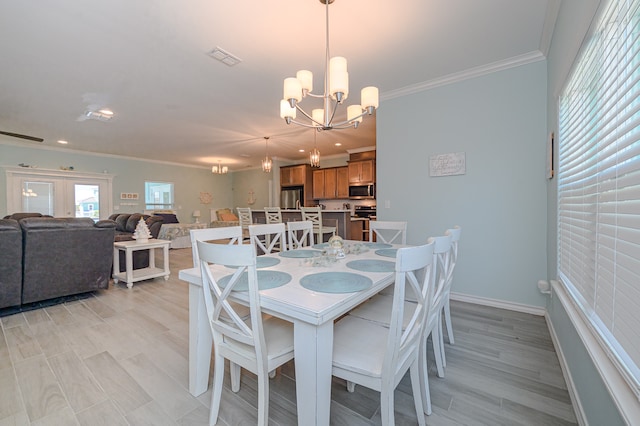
[(312, 214), (244, 217), (226, 324), (389, 232), (273, 234), (455, 233), (273, 214), (440, 270), (232, 233), (304, 239), (413, 270)]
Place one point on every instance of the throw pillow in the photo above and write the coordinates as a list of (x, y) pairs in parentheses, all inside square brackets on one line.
[(228, 217), (222, 211)]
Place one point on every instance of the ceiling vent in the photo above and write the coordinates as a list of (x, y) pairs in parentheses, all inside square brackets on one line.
[(225, 57), (95, 115)]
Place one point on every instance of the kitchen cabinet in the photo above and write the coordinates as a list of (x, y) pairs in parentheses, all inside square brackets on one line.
[(362, 172), (296, 177), (293, 175), (318, 184), (342, 182), (330, 183)]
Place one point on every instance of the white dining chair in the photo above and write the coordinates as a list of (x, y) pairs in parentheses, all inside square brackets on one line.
[(314, 214), (273, 215), (455, 233), (378, 310), (228, 235), (378, 356), (259, 345), (390, 232), (300, 234), (268, 238), (245, 218)]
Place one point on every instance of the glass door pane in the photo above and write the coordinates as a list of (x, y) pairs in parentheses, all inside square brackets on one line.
[(87, 201), (38, 197)]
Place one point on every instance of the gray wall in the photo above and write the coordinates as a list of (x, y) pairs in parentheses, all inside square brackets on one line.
[(130, 176), (599, 409), (499, 121)]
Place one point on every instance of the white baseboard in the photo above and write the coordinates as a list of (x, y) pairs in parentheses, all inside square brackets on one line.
[(564, 366), (501, 304)]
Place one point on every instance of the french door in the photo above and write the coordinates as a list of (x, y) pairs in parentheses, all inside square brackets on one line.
[(59, 194)]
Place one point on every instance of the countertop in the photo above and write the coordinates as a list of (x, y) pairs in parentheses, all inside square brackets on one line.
[(323, 211)]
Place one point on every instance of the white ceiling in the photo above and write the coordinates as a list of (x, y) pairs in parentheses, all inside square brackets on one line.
[(147, 61)]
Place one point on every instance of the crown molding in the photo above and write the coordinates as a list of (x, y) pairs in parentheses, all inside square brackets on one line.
[(99, 154), (516, 61)]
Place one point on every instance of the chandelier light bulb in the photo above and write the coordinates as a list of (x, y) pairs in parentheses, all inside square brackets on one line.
[(219, 169)]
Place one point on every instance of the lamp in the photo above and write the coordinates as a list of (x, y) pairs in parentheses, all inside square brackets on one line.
[(196, 214), (314, 155), (336, 91), (219, 169), (266, 162)]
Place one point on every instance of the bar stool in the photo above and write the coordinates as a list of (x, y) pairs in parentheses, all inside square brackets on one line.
[(314, 215), (273, 214)]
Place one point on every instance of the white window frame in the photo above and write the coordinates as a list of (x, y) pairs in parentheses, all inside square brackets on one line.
[(159, 206), (65, 180), (598, 193)]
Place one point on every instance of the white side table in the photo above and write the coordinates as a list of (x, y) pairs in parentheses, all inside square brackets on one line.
[(131, 275)]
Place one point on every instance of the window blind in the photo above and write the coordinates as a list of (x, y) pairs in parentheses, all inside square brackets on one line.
[(599, 184)]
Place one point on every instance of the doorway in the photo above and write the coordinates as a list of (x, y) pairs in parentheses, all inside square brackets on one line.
[(59, 194)]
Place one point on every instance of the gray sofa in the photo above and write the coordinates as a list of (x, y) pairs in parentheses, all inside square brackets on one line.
[(125, 226), (57, 257), (10, 263)]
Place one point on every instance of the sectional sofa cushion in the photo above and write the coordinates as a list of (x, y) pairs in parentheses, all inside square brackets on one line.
[(10, 263), (65, 256)]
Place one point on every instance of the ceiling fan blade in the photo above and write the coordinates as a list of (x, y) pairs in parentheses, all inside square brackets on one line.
[(18, 135)]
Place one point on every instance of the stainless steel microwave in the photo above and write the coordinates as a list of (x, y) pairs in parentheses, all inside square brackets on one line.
[(359, 192)]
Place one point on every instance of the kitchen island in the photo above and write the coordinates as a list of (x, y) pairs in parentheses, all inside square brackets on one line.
[(341, 219)]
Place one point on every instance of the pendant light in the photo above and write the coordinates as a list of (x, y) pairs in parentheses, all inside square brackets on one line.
[(314, 155), (266, 162)]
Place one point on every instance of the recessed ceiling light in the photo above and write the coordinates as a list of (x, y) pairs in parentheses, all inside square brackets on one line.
[(106, 111), (301, 150), (338, 144), (62, 142)]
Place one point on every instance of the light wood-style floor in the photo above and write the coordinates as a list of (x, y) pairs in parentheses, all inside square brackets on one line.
[(120, 358)]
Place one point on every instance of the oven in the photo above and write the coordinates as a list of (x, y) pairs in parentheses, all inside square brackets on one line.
[(364, 211)]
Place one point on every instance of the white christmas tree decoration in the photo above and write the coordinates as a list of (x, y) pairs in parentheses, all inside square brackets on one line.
[(142, 234)]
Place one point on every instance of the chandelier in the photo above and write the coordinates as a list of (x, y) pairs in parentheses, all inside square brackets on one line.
[(219, 169), (28, 193), (266, 162), (336, 91), (314, 154)]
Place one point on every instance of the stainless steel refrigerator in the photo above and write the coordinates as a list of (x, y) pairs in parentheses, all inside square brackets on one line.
[(291, 198)]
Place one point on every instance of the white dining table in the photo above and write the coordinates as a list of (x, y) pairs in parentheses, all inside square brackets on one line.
[(311, 312)]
